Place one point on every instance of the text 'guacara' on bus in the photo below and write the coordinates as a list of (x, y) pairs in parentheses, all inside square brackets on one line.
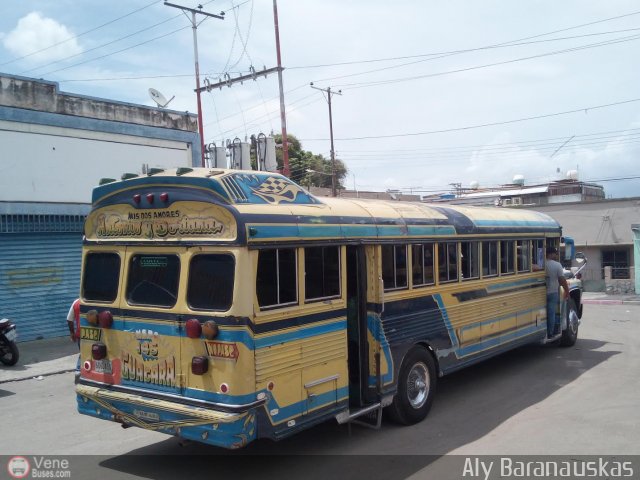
[(224, 306)]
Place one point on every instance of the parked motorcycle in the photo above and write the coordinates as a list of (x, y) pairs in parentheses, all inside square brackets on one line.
[(8, 349)]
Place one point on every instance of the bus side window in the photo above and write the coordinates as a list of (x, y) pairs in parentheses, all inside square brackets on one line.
[(524, 255), (469, 260), (422, 264), (277, 281), (507, 266), (447, 262), (489, 259), (322, 272), (537, 254), (394, 266)]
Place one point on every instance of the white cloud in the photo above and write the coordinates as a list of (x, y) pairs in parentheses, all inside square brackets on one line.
[(34, 32)]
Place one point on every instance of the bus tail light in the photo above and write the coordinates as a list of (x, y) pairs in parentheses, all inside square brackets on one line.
[(105, 319), (193, 328), (99, 351), (199, 365), (164, 197)]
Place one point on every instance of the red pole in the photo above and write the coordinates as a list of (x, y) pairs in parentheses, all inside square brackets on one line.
[(283, 117)]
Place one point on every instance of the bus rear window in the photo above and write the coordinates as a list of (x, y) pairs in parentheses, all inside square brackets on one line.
[(211, 282), (153, 280), (101, 275)]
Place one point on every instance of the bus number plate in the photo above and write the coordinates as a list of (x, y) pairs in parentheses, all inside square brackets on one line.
[(103, 366), (88, 333)]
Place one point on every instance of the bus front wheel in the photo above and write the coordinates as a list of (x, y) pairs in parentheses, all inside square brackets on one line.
[(416, 387), (570, 334)]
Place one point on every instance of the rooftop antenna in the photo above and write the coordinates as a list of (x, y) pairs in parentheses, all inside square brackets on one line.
[(159, 98)]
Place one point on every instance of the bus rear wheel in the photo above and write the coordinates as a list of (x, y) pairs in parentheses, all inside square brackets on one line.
[(570, 334), (416, 387)]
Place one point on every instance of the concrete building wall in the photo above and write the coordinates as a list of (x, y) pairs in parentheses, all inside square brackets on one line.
[(43, 163), (56, 146)]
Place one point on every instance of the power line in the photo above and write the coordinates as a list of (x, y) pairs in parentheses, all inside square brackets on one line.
[(488, 46), (457, 147), (101, 46), (352, 86), (437, 56), (81, 34), (112, 42), (451, 159), (497, 149), (116, 52), (470, 127)]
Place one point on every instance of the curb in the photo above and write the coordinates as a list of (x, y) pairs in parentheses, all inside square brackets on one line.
[(32, 377), (610, 302), (601, 302)]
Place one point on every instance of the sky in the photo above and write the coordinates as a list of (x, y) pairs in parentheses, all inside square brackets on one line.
[(433, 93)]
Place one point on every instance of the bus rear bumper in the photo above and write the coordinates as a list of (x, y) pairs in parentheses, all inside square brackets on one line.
[(222, 429)]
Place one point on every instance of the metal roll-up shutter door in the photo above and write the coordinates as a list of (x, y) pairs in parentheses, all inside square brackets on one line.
[(39, 279)]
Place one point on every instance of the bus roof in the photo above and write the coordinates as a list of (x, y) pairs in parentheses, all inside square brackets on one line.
[(270, 207)]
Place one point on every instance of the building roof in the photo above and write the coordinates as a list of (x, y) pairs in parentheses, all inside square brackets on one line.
[(507, 192)]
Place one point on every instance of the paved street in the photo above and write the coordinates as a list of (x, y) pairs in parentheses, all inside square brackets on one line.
[(535, 400)]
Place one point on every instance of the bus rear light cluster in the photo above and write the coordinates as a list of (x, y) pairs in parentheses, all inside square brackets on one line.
[(99, 351), (137, 198), (199, 365), (193, 328)]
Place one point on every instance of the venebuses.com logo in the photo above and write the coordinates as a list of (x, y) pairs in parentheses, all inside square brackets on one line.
[(18, 467), (38, 467)]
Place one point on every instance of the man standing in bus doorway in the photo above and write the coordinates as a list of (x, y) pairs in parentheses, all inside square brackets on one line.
[(554, 278), (73, 321)]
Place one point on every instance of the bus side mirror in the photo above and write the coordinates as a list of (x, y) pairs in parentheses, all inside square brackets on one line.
[(580, 258)]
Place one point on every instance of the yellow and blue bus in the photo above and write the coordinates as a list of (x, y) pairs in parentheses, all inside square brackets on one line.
[(223, 306)]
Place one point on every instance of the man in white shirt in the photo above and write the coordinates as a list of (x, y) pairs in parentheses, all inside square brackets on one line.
[(554, 278)]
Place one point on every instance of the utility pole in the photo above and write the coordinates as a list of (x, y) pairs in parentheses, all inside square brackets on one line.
[(283, 118), (194, 25), (333, 152)]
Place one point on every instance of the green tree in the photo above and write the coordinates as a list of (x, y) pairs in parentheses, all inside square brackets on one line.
[(308, 168)]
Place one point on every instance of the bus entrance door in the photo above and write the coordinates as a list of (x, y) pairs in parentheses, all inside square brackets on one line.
[(360, 394)]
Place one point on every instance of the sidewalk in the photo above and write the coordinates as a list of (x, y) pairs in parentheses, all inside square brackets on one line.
[(41, 358), (601, 298)]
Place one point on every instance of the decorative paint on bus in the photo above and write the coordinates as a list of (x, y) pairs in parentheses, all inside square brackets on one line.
[(293, 354)]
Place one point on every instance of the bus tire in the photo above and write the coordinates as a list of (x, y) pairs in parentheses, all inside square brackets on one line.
[(570, 334), (416, 387)]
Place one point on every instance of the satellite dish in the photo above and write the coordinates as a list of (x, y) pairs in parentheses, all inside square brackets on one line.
[(159, 98)]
